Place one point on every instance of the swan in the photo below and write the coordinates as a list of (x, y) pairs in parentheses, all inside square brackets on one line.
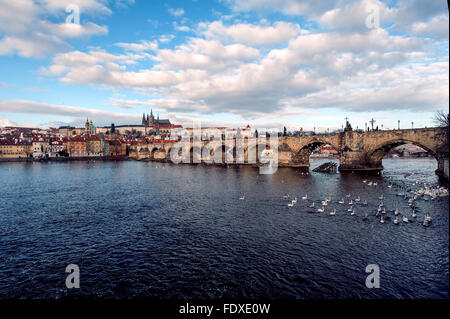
[(305, 197), (324, 203), (350, 202), (286, 196), (396, 212), (290, 204), (358, 199), (294, 201), (350, 209), (365, 217), (382, 220), (242, 198), (414, 215), (320, 210), (333, 212), (396, 222), (312, 205), (341, 201), (405, 219), (353, 212)]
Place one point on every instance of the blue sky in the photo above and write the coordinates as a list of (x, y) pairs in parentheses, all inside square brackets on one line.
[(225, 62)]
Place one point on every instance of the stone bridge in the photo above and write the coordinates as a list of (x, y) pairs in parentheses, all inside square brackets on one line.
[(358, 151)]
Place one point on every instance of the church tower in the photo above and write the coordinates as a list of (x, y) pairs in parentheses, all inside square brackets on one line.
[(151, 120)]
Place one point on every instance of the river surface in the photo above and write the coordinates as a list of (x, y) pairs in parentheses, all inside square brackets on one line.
[(140, 229)]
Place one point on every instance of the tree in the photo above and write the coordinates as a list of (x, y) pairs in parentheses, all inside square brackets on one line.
[(441, 120)]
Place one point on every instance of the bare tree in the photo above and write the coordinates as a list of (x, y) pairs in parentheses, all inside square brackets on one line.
[(441, 119)]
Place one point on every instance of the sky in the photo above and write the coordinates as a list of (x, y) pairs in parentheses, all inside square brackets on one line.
[(267, 63)]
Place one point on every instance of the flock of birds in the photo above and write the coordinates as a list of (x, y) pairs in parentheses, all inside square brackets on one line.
[(426, 192)]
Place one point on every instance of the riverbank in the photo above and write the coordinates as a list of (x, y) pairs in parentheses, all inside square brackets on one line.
[(64, 159)]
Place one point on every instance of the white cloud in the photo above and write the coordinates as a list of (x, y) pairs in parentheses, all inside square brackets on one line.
[(138, 47), (166, 38), (437, 27), (76, 113), (249, 34), (288, 7), (27, 30), (5, 122), (176, 12)]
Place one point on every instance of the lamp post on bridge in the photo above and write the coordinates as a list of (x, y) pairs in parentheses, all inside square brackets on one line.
[(314, 130), (398, 124), (412, 125), (381, 126), (365, 126)]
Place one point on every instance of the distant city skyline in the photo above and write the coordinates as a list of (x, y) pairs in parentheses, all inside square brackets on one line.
[(267, 63)]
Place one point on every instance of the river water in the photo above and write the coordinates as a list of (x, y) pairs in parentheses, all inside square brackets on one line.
[(142, 229)]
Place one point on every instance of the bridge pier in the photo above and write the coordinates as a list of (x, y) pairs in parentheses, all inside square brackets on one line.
[(357, 161)]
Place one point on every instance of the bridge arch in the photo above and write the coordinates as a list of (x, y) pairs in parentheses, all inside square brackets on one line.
[(301, 157), (377, 153)]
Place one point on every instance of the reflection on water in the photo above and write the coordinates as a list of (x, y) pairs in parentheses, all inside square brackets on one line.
[(161, 230)]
